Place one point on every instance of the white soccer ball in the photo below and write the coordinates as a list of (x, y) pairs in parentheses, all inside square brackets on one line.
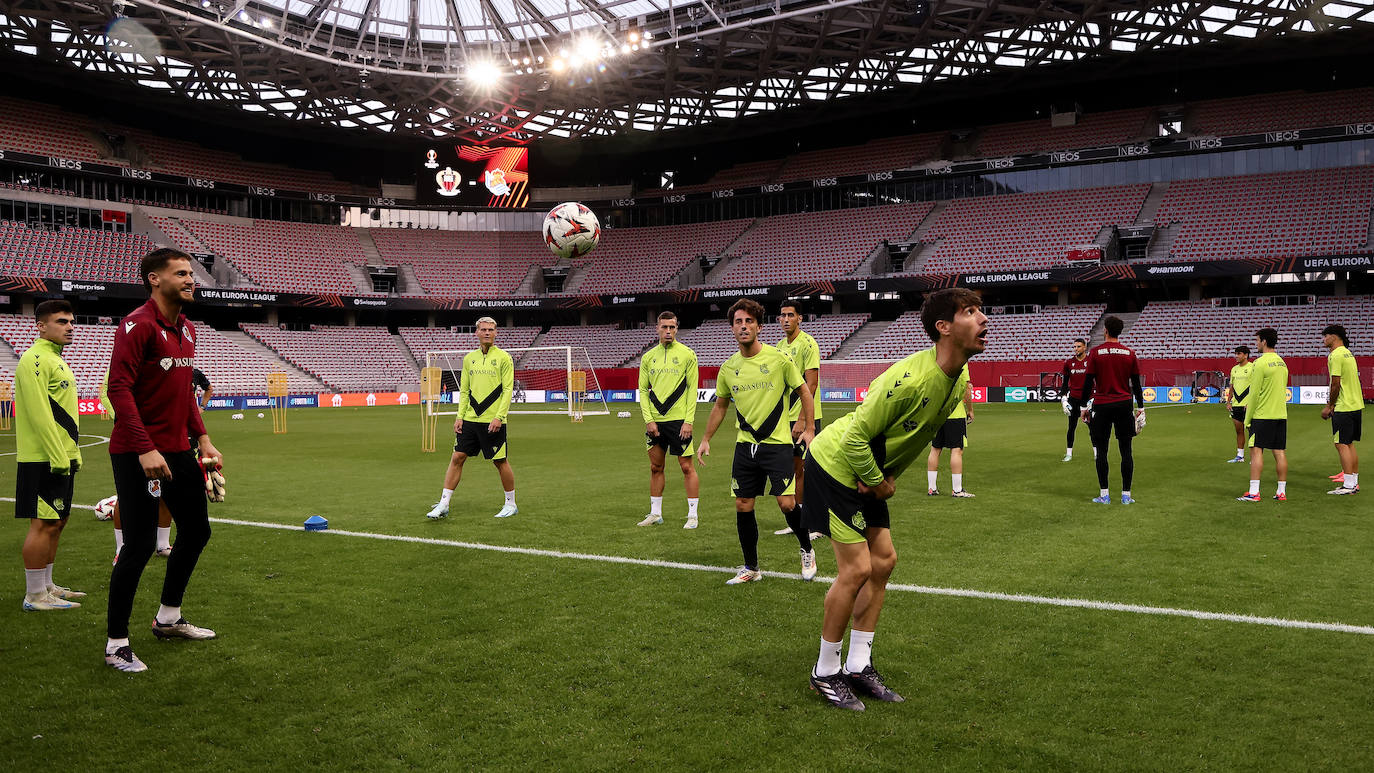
[(237, 416), (261, 415), (571, 230), (104, 509)]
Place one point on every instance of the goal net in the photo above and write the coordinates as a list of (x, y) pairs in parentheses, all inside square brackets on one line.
[(548, 379), (850, 376)]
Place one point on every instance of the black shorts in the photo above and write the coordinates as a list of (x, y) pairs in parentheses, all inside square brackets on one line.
[(1111, 417), (1269, 433), (670, 439), (762, 466), (476, 438), (40, 493), (1345, 427), (838, 511), (951, 434), (799, 449), (1238, 413)]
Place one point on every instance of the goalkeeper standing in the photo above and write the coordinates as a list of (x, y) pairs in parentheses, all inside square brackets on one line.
[(485, 387), (150, 389), (46, 432), (668, 402)]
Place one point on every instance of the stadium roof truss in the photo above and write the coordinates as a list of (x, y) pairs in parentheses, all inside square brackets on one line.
[(510, 71)]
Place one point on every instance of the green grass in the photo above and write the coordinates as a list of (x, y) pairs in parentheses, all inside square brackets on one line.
[(349, 653)]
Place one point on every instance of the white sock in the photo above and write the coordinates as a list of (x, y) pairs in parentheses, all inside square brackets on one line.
[(1254, 488), (828, 664), (510, 498), (113, 644), (47, 576), (119, 540), (692, 507), (931, 475), (958, 481), (1283, 487), (655, 505), (168, 615), (35, 582), (1352, 479), (1069, 452), (446, 496), (1105, 493), (860, 651), (164, 537), (1240, 453)]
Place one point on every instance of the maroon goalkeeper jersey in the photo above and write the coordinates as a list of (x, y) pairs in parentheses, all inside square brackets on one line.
[(150, 383), (1112, 364), (1074, 371)]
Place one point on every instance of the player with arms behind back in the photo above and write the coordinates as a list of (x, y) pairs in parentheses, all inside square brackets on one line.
[(1238, 396), (759, 379), (1113, 378), (1266, 415), (668, 402), (802, 348), (1344, 406), (485, 389), (853, 467)]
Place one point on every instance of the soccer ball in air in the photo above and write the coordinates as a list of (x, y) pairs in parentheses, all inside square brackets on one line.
[(571, 230), (104, 509)]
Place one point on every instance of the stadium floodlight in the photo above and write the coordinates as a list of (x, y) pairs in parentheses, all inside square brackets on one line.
[(557, 65), (483, 73), (588, 48)]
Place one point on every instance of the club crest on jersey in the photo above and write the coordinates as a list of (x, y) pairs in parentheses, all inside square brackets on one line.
[(859, 522), (186, 331), (763, 369), (57, 504), (155, 488)]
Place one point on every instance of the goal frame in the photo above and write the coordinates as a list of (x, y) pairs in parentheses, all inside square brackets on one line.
[(574, 404)]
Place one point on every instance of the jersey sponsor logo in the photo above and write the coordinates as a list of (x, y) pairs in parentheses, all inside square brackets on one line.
[(166, 362)]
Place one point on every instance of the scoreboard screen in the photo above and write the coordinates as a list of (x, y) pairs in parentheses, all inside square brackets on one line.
[(474, 176)]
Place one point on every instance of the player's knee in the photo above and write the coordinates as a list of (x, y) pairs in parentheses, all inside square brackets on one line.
[(744, 505), (688, 469), (458, 458), (656, 466), (881, 565), (855, 572)]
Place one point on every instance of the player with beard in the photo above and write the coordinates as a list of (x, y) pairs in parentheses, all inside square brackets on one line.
[(1075, 370)]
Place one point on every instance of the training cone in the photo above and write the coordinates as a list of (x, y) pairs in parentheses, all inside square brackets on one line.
[(316, 523)]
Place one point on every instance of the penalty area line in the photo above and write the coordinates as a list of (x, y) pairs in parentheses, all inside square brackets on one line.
[(1103, 606)]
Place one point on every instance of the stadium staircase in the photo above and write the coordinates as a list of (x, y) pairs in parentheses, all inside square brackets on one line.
[(916, 262), (1151, 205), (358, 272), (576, 276), (863, 335), (1099, 329), (728, 256), (254, 345), (533, 283), (1162, 243), (407, 283)]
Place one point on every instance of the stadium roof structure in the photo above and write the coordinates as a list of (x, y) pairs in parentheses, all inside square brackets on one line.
[(511, 71)]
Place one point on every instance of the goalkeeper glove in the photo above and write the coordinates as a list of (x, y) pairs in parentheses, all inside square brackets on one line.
[(214, 480), (1139, 420), (1064, 401)]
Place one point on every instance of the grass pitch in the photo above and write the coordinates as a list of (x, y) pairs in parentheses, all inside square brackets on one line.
[(344, 652)]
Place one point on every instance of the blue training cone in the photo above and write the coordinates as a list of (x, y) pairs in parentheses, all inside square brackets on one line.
[(316, 523)]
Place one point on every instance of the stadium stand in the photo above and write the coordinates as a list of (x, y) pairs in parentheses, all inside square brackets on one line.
[(608, 346), (178, 157), (713, 342), (346, 358), (88, 356), (1025, 230), (882, 155), (1092, 130), (819, 245), (1200, 329), (1318, 212), (750, 173), (458, 263), (71, 253), (420, 340), (32, 127), (1011, 337), (298, 257), (644, 258), (1276, 112)]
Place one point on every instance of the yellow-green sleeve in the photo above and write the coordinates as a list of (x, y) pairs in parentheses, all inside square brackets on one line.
[(871, 419), (693, 380), (464, 390), (644, 391), (507, 387), (31, 400)]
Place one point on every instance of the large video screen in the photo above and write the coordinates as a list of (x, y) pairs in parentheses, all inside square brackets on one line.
[(474, 176)]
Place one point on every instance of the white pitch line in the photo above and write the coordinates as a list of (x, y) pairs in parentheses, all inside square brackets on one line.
[(101, 441), (1021, 598)]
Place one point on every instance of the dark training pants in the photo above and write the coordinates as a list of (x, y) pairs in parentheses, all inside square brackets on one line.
[(1103, 421)]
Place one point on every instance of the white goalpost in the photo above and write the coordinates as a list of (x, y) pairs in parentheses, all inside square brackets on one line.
[(553, 380)]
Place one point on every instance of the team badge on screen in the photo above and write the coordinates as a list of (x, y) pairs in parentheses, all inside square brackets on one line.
[(431, 159), (496, 182), (448, 181)]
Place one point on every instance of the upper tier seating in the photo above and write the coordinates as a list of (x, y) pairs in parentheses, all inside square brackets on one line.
[(1276, 112), (186, 158), (1199, 329), (818, 245), (1047, 335), (1025, 230), (1318, 212), (353, 359), (32, 127), (464, 263), (72, 253), (1092, 130), (298, 257), (645, 258), (881, 155), (737, 176), (422, 340), (714, 343)]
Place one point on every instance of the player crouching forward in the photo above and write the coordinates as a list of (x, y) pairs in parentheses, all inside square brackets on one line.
[(851, 472), (759, 379), (484, 394), (668, 402)]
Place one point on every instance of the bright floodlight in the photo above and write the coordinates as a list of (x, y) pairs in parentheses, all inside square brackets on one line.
[(557, 65), (588, 48), (483, 73)]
